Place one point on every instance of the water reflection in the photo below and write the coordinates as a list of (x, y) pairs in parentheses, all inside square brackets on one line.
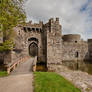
[(85, 66)]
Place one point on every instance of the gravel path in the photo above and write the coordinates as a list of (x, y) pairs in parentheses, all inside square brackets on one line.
[(17, 83), (20, 79)]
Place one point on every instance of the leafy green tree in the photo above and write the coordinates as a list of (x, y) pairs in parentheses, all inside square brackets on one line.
[(11, 14)]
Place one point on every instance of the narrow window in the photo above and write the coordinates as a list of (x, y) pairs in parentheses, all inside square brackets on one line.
[(75, 41), (24, 29), (37, 29), (19, 32), (40, 29), (29, 29), (77, 54), (33, 29)]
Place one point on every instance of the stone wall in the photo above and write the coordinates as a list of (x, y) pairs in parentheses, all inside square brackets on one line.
[(1, 58), (75, 51), (5, 57), (75, 54), (11, 57), (90, 48)]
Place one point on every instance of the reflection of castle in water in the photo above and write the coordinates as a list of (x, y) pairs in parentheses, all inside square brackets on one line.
[(51, 47)]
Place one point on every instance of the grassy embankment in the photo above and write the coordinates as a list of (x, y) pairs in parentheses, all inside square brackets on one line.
[(52, 82)]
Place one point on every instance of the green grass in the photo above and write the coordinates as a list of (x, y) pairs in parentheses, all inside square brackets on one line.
[(3, 73), (52, 82)]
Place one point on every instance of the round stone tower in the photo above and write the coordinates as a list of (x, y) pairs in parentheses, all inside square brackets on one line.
[(71, 38)]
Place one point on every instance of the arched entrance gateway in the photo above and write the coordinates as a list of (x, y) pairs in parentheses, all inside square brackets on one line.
[(34, 51), (33, 47)]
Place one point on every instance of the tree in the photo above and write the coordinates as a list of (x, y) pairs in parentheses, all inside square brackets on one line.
[(11, 14)]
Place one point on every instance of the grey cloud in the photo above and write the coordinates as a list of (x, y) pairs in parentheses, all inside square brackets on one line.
[(72, 19)]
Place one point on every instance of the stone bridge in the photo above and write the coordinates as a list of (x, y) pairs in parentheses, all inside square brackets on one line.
[(23, 66)]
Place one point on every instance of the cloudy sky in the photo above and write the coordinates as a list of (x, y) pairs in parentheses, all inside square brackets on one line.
[(75, 15)]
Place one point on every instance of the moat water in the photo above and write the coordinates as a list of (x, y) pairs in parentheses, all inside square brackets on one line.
[(79, 65), (89, 66)]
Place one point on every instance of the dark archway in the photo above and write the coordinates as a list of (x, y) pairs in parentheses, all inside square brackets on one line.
[(33, 49)]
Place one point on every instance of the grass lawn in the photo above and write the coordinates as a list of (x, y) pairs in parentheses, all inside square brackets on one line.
[(52, 82), (3, 73)]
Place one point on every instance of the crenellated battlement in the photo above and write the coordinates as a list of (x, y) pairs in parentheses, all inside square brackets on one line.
[(35, 27), (52, 21), (32, 29)]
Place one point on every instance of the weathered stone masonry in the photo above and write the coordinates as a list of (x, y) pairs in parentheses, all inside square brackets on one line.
[(49, 45), (54, 50)]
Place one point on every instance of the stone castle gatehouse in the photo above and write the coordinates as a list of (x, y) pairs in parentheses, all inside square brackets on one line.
[(51, 47)]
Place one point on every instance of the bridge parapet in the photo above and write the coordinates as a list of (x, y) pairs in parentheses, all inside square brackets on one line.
[(34, 64), (14, 65)]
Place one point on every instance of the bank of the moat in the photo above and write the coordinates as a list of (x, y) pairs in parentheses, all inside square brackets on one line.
[(80, 79)]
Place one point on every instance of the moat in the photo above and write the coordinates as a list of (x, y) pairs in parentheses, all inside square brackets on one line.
[(85, 66)]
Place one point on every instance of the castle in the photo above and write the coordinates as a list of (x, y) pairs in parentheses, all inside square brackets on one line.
[(51, 47)]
